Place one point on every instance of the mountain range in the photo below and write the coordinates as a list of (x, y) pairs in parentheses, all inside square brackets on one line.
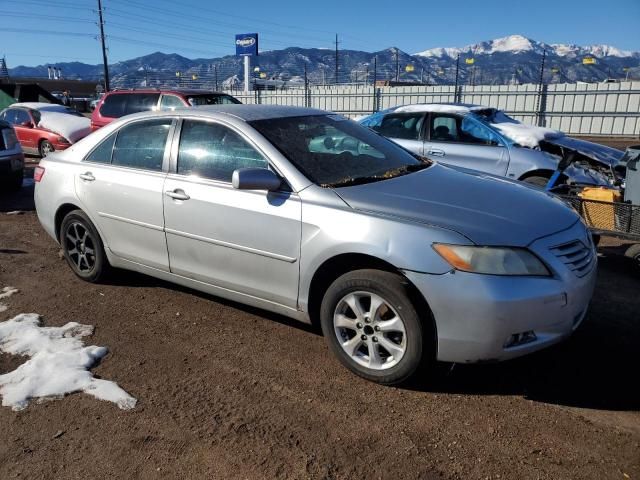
[(512, 59)]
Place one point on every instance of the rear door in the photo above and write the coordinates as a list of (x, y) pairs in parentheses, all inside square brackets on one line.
[(406, 129), (120, 184), (463, 141), (241, 240)]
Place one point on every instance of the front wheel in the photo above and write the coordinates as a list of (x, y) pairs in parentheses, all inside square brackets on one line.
[(82, 247), (372, 326), (633, 252), (537, 180)]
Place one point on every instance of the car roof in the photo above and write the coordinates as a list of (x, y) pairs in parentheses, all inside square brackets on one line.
[(243, 112), (37, 105), (177, 91), (439, 108)]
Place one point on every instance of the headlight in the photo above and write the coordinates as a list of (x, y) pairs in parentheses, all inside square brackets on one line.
[(63, 140), (492, 260)]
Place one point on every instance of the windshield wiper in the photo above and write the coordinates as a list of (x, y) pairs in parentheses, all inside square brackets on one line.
[(394, 172)]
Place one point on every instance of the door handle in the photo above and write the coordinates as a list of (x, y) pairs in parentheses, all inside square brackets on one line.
[(436, 152), (87, 177), (177, 194)]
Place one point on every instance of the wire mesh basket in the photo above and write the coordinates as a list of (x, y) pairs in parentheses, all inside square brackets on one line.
[(608, 218)]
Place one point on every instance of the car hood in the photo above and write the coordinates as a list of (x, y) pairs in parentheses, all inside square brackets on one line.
[(600, 153), (486, 209), (71, 127)]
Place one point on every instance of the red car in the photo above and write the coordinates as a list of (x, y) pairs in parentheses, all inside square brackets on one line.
[(119, 103), (42, 128)]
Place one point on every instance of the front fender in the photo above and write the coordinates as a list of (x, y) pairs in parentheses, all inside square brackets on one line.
[(329, 231)]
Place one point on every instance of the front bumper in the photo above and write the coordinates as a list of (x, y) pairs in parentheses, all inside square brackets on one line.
[(477, 315)]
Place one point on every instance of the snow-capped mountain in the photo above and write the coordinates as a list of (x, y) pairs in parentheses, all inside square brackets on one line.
[(520, 44), (503, 60)]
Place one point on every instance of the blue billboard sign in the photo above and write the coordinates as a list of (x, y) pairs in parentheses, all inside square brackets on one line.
[(247, 44)]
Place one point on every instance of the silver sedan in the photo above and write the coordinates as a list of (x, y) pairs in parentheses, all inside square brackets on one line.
[(401, 260)]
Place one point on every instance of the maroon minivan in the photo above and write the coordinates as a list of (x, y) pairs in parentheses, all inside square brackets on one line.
[(118, 103)]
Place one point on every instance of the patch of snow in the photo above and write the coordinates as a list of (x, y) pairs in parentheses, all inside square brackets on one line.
[(526, 135), (563, 50), (440, 52), (58, 365), (71, 127), (434, 107), (8, 291), (5, 293), (512, 43), (600, 51)]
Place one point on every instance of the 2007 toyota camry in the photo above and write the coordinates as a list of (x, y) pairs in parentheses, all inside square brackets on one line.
[(308, 214)]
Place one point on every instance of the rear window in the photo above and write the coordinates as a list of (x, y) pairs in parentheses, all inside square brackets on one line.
[(119, 105), (211, 99)]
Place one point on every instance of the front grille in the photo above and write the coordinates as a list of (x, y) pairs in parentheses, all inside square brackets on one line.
[(575, 255)]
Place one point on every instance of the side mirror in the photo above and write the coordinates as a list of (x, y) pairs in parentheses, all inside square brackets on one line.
[(27, 124), (255, 179)]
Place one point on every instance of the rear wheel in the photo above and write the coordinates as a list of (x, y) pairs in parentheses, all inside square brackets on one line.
[(82, 247), (372, 326), (45, 148)]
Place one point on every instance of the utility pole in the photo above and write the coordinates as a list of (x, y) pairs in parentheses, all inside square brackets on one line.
[(336, 59), (397, 55), (455, 91), (104, 48), (215, 75), (540, 88)]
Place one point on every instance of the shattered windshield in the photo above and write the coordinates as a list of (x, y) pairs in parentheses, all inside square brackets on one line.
[(332, 151)]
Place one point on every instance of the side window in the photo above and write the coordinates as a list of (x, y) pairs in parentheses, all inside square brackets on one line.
[(403, 126), (141, 144), (141, 102), (170, 102), (473, 131), (102, 153), (444, 128), (227, 100), (20, 117), (214, 151)]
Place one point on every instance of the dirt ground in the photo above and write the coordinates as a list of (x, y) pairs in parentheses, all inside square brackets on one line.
[(229, 392)]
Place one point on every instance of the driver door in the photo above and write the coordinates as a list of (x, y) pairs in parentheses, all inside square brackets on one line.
[(246, 241)]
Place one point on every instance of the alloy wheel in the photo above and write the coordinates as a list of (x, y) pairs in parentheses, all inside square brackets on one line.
[(80, 247), (370, 330)]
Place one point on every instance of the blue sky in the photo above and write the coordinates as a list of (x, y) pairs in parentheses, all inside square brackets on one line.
[(34, 32)]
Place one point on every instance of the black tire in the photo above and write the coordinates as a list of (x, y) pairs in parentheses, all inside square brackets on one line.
[(85, 255), (394, 290), (536, 180), (45, 148), (633, 252)]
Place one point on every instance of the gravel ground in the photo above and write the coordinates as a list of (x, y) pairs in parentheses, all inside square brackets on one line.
[(226, 391)]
